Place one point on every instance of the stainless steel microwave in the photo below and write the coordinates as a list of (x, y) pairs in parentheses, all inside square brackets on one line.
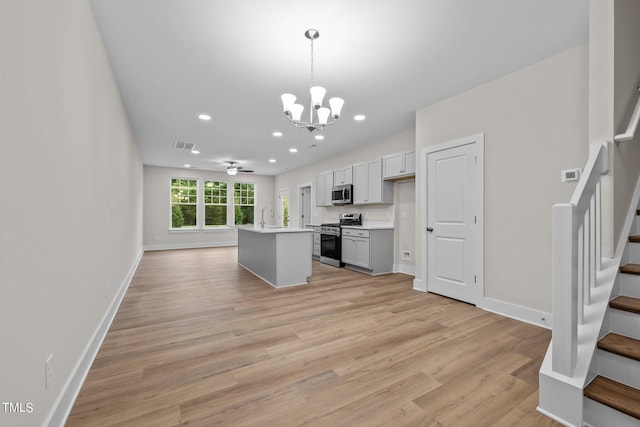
[(342, 194)]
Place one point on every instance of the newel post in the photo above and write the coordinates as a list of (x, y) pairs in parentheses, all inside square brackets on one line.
[(564, 282)]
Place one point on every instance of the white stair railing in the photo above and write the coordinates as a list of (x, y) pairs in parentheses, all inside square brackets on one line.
[(633, 124), (576, 258)]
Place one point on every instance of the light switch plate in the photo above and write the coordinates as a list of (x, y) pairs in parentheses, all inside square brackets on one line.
[(568, 175)]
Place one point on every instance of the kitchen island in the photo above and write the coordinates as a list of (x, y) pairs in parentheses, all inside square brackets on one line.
[(281, 256)]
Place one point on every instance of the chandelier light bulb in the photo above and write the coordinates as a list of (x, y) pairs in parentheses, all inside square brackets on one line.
[(296, 112), (317, 96), (323, 115), (288, 100), (336, 106)]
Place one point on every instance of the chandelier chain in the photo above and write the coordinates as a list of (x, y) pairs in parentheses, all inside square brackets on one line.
[(312, 83)]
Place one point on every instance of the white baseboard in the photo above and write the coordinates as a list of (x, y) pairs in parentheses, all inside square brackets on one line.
[(405, 269), (518, 312), (172, 246), (66, 399), (419, 285)]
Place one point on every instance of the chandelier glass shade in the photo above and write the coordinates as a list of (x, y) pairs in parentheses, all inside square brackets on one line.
[(319, 116)]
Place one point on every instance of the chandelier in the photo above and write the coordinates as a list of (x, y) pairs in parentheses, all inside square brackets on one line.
[(319, 116)]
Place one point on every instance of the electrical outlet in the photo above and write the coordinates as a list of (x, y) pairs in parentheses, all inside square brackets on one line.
[(406, 255), (48, 371)]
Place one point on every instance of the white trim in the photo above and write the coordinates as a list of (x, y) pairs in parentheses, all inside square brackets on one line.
[(479, 267), (64, 403), (419, 285), (300, 203), (282, 191), (518, 312), (405, 269), (556, 419), (172, 246)]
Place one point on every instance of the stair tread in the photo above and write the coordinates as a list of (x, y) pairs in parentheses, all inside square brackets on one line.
[(620, 345), (615, 395), (625, 303), (635, 238), (630, 269)]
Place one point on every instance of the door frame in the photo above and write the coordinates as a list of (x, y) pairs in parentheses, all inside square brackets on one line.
[(478, 201), (301, 202), (282, 191)]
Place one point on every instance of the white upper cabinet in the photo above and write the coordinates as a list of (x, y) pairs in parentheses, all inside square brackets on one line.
[(324, 183), (368, 186), (343, 176), (398, 165)]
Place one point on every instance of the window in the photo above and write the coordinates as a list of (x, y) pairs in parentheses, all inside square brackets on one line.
[(243, 202), (215, 204), (207, 204), (184, 203)]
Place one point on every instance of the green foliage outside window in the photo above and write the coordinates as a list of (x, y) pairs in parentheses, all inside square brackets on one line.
[(244, 199), (184, 199), (177, 219), (215, 203)]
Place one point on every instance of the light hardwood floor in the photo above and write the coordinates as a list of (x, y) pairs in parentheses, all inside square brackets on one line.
[(198, 340)]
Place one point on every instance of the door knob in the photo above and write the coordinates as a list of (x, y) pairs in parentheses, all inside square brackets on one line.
[(430, 229)]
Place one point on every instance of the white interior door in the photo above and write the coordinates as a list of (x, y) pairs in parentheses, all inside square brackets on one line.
[(284, 218), (454, 231)]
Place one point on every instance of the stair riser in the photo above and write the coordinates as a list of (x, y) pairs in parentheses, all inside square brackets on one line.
[(599, 415), (618, 368), (630, 285), (635, 227), (624, 323), (634, 252)]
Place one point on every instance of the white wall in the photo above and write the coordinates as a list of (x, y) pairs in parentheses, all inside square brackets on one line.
[(626, 166), (71, 214), (157, 208), (535, 125), (614, 76), (403, 141)]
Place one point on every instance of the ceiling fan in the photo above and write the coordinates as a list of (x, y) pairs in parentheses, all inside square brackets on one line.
[(232, 169)]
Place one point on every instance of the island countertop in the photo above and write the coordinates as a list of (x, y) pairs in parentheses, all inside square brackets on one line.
[(270, 229)]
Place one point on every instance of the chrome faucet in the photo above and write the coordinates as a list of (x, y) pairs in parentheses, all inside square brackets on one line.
[(262, 215)]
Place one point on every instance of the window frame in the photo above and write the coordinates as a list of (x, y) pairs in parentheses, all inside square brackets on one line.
[(205, 204), (253, 197), (172, 203), (201, 205)]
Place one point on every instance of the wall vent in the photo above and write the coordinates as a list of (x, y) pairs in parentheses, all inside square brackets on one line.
[(182, 145)]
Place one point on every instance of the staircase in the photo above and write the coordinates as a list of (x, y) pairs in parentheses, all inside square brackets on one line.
[(613, 396)]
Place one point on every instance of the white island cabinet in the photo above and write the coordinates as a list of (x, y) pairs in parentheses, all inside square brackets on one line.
[(281, 256)]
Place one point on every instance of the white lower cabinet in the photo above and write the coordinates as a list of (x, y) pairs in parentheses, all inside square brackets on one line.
[(369, 251), (355, 251), (316, 242)]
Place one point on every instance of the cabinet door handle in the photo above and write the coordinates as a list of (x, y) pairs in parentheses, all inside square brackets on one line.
[(430, 229)]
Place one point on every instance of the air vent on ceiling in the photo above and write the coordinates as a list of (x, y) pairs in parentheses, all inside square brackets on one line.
[(181, 145)]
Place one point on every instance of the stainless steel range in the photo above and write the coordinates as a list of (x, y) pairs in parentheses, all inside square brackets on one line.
[(330, 244), (331, 239)]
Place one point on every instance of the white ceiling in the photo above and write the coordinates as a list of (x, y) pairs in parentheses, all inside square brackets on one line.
[(175, 59)]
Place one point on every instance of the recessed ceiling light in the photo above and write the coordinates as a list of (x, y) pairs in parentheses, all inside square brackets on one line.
[(272, 160), (293, 150), (319, 137), (277, 134), (195, 151), (359, 117), (204, 117), (187, 166)]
